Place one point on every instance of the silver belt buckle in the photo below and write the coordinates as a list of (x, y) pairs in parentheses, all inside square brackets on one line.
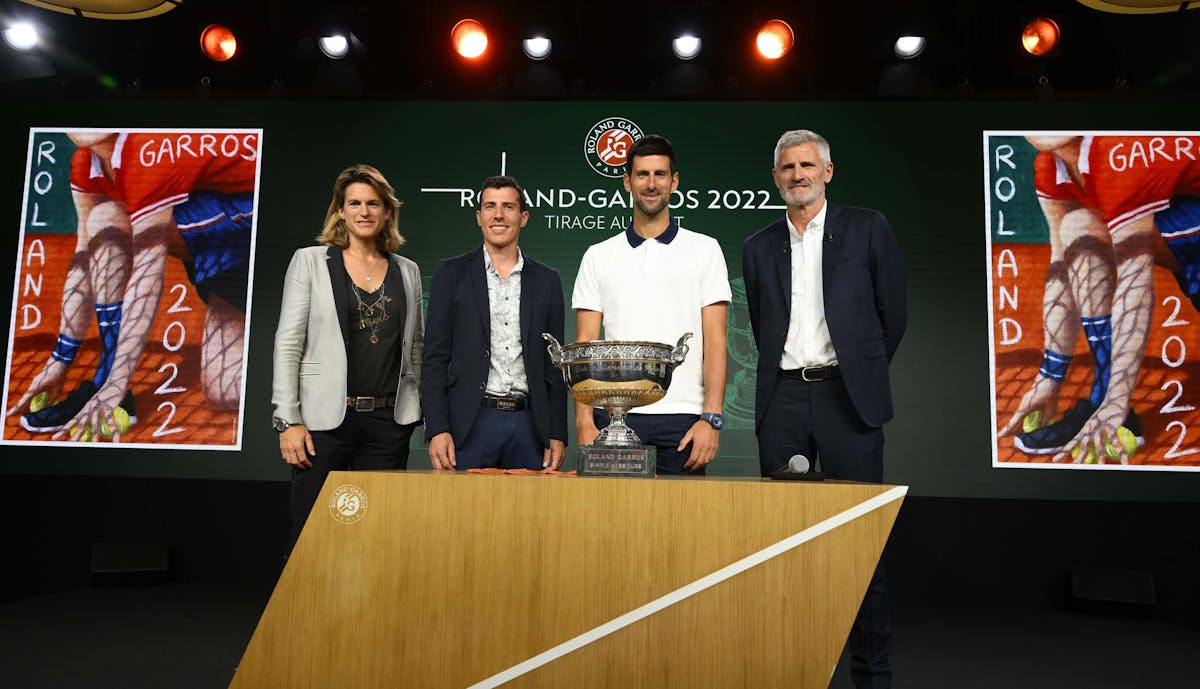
[(506, 403), (364, 403), (804, 374)]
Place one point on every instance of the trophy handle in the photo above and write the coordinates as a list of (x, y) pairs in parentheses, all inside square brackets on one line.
[(554, 349), (681, 349)]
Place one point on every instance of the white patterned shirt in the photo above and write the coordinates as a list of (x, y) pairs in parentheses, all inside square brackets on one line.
[(506, 372)]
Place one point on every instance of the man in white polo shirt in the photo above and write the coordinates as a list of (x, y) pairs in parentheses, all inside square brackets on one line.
[(654, 282)]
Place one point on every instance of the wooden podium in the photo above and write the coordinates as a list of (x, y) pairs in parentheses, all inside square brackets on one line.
[(419, 579)]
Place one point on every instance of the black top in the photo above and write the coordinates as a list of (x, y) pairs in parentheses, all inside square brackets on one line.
[(374, 367)]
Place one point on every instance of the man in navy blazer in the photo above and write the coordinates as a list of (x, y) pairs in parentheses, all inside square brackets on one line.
[(825, 287), (490, 394)]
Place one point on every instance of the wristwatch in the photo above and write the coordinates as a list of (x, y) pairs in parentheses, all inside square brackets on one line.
[(715, 420), (279, 424)]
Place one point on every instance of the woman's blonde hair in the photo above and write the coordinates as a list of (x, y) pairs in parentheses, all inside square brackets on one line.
[(335, 232)]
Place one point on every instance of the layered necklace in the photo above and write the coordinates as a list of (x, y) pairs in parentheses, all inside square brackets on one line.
[(374, 312)]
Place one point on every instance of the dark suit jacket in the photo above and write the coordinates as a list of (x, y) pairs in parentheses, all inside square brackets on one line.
[(457, 337), (865, 304)]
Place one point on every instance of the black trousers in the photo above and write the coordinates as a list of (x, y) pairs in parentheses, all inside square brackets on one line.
[(366, 441), (819, 421)]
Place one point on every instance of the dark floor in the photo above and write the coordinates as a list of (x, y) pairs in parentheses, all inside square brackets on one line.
[(191, 635)]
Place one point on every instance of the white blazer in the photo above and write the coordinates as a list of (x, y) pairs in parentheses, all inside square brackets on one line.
[(310, 368)]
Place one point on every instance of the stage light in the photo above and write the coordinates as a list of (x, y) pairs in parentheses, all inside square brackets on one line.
[(21, 36), (536, 48), (1040, 36), (686, 47), (908, 47), (335, 46), (218, 43), (469, 38), (774, 39)]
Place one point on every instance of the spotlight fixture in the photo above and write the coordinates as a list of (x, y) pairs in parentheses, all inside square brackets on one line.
[(536, 47), (334, 46), (469, 39), (218, 43), (686, 46), (21, 36), (774, 39), (908, 47), (1040, 36)]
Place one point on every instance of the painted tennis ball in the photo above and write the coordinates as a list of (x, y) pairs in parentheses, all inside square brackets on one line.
[(1032, 421), (122, 418), (1126, 440), (86, 435), (38, 402), (1090, 458)]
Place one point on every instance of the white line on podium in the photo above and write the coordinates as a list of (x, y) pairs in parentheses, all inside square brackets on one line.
[(693, 588)]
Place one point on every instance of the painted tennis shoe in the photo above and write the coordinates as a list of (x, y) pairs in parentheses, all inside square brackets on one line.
[(1054, 437), (56, 417)]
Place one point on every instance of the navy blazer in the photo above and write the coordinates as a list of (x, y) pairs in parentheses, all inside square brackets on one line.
[(865, 304), (458, 330)]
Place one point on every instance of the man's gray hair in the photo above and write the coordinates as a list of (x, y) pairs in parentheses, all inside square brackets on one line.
[(802, 136)]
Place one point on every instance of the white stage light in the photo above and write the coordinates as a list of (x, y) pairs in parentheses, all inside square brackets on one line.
[(537, 47), (21, 36), (908, 47), (335, 46), (686, 47)]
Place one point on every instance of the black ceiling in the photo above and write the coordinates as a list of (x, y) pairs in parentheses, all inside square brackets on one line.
[(612, 50)]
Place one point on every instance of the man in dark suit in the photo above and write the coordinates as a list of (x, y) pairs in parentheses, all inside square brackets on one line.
[(491, 396), (826, 290)]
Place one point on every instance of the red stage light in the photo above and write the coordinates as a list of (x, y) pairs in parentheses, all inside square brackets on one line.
[(218, 42), (774, 39), (469, 38), (1040, 36)]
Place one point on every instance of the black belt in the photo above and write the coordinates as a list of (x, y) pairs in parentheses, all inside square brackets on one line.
[(812, 374), (370, 403), (513, 403)]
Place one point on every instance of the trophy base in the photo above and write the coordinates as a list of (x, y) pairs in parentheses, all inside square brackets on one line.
[(607, 460)]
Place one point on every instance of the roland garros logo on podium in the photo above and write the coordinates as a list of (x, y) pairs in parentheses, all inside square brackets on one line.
[(606, 147), (348, 504)]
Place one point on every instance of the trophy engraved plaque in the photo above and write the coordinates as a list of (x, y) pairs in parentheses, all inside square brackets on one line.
[(617, 376)]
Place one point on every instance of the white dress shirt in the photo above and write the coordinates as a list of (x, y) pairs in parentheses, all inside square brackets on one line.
[(808, 342)]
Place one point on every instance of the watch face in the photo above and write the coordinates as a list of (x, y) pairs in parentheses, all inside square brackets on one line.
[(280, 425), (717, 421)]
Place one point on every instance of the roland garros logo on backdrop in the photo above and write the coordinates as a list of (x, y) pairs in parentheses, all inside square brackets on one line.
[(606, 147)]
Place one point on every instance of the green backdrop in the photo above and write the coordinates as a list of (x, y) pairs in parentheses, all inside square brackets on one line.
[(921, 163)]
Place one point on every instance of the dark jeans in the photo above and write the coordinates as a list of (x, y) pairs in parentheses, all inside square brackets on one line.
[(502, 440), (366, 441), (663, 431)]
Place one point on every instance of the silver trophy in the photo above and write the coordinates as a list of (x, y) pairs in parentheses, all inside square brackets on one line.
[(617, 376)]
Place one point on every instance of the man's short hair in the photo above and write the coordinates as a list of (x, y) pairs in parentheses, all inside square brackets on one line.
[(650, 145), (797, 137), (502, 182)]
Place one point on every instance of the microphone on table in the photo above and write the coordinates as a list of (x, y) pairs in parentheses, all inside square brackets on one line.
[(798, 469)]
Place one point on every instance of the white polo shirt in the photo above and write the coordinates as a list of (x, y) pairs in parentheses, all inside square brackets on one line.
[(652, 290)]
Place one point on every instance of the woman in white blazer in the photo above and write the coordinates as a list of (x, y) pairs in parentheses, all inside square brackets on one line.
[(347, 361)]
